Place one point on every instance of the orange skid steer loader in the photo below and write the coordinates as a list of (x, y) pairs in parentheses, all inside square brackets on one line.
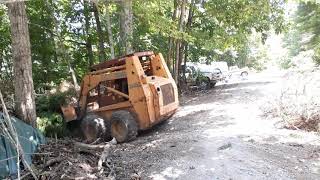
[(121, 96)]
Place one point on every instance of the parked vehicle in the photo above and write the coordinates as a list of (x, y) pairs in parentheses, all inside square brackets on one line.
[(121, 96), (208, 75), (223, 66), (236, 71), (203, 75)]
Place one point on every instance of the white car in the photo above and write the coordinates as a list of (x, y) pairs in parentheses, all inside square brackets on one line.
[(236, 71)]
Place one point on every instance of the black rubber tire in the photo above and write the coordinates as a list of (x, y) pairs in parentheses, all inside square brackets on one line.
[(213, 84), (94, 127), (206, 82), (124, 127), (198, 82), (244, 74)]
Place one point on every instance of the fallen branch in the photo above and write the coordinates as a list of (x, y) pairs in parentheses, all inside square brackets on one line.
[(70, 158), (82, 147), (53, 161), (25, 175), (96, 141), (103, 157)]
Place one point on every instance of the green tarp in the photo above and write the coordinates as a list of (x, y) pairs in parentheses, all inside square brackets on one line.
[(29, 139)]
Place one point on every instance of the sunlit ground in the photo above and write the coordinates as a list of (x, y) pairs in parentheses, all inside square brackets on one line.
[(238, 119)]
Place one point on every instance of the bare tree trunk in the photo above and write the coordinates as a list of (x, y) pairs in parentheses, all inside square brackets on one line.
[(181, 56), (1, 61), (171, 40), (176, 67), (188, 28), (87, 33), (169, 56), (178, 46), (89, 51), (24, 91), (109, 30), (74, 77), (102, 55), (126, 26)]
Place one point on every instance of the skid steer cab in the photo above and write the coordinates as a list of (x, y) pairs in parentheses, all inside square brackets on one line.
[(121, 96)]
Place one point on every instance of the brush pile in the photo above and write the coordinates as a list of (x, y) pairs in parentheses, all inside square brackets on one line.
[(298, 104), (67, 159)]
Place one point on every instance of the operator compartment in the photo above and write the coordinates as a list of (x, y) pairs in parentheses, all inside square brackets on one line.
[(155, 70)]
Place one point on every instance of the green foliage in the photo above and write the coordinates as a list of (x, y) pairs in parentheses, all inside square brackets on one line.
[(52, 125), (50, 120), (229, 56), (52, 102), (257, 54), (6, 77), (226, 25), (316, 56), (304, 32), (217, 25), (46, 69), (200, 77), (197, 74), (285, 63), (220, 30)]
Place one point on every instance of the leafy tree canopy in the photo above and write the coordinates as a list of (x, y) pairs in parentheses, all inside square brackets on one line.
[(219, 30)]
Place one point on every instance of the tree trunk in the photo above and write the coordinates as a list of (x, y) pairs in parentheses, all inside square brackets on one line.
[(181, 57), (169, 56), (21, 52), (176, 67), (126, 26), (188, 29), (102, 56), (87, 33), (109, 30), (1, 61), (179, 50), (171, 40), (74, 77)]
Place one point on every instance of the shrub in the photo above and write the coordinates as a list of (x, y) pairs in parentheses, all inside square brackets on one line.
[(286, 63), (316, 56), (298, 105), (50, 120), (52, 102), (52, 125)]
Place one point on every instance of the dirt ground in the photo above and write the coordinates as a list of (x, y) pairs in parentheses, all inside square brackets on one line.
[(222, 134)]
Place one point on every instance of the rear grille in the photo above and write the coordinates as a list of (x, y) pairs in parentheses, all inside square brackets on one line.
[(167, 93)]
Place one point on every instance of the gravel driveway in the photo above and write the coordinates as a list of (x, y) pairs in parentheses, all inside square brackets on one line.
[(222, 134)]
